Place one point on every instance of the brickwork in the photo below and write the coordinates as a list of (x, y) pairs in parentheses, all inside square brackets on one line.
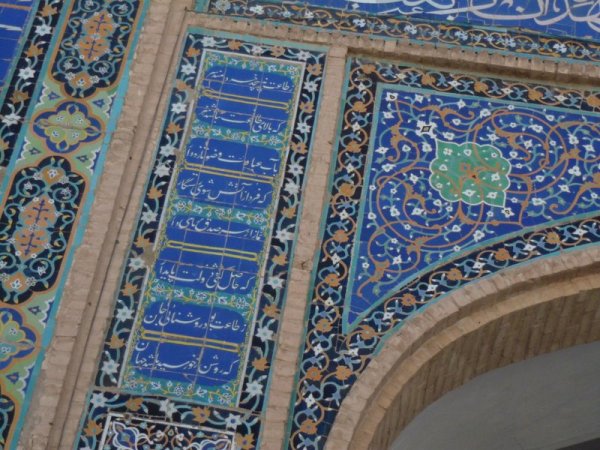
[(511, 308)]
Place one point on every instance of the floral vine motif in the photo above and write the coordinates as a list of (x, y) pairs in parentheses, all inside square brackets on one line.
[(553, 177), (469, 172), (83, 64), (47, 194), (41, 208), (425, 31), (269, 300), (28, 70)]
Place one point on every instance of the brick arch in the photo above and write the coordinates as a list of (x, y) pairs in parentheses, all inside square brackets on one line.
[(519, 313)]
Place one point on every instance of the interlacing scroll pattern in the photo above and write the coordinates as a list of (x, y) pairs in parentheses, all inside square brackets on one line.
[(19, 90), (415, 29), (196, 318), (488, 173), (47, 191)]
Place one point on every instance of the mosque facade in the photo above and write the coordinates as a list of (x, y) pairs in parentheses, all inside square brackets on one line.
[(248, 224)]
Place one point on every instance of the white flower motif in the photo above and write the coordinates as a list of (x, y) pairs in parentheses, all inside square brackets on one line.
[(124, 313), (26, 73), (303, 127), (295, 169), (426, 128), (208, 41), (162, 170), (148, 216), (310, 401), (311, 86), (11, 119), (275, 282), (109, 367), (188, 69), (178, 107), (167, 150), (136, 263), (478, 235), (291, 188), (538, 201), (283, 235), (98, 400), (303, 55), (254, 388), (43, 30), (167, 407), (264, 334)]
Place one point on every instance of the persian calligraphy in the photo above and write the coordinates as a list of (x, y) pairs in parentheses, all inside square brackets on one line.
[(569, 17), (191, 331)]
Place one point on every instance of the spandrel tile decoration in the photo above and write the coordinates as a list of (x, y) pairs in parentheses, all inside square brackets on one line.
[(440, 179), (198, 325)]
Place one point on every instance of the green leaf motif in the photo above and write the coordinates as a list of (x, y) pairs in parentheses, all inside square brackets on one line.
[(470, 172)]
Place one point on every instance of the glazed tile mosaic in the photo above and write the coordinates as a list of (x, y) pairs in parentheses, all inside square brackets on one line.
[(440, 179), (55, 160), (14, 20), (564, 32), (197, 314), (23, 69), (566, 18)]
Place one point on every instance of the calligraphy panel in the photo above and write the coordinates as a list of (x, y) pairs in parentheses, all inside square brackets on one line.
[(564, 17), (193, 323), (560, 30), (197, 312), (440, 179)]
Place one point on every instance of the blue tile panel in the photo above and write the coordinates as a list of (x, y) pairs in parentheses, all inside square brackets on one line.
[(440, 179), (196, 318), (554, 43), (14, 18), (447, 176), (564, 18), (190, 338)]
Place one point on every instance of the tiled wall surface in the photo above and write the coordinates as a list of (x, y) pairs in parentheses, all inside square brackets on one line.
[(438, 178), (566, 32), (54, 153), (195, 326)]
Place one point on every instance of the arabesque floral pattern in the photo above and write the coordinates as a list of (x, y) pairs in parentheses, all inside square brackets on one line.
[(206, 59), (386, 225)]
